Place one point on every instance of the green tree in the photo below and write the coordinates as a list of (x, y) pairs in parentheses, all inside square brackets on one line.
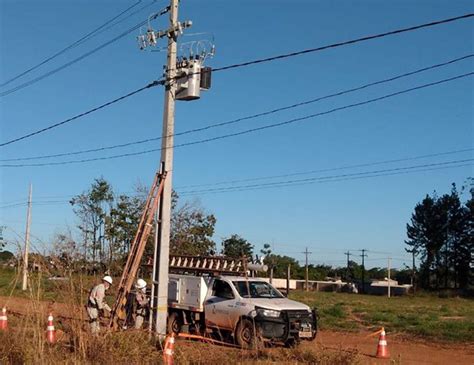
[(191, 229), (236, 246), (440, 231), (280, 266), (92, 207)]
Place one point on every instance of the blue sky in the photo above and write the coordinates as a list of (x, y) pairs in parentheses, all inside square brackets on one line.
[(330, 217)]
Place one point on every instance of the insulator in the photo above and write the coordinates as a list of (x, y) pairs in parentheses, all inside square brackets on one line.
[(141, 42), (151, 37)]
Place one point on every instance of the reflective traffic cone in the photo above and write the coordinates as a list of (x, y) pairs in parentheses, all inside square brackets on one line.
[(168, 350), (4, 320), (382, 348), (50, 330)]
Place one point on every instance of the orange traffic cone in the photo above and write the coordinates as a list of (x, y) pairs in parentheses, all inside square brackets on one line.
[(382, 348), (4, 320), (50, 330), (168, 350)]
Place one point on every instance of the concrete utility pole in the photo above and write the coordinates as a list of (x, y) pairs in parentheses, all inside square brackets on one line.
[(364, 255), (348, 254), (166, 165), (388, 274), (288, 276), (306, 252), (24, 285)]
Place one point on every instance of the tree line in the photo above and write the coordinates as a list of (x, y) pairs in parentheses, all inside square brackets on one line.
[(441, 235)]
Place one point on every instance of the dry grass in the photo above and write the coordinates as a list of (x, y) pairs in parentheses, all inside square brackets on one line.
[(25, 340)]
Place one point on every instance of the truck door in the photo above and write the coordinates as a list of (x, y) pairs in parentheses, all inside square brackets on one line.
[(219, 306)]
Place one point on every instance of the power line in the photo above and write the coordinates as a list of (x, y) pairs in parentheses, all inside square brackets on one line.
[(329, 169), (72, 45), (248, 117), (345, 43), (333, 176), (286, 184), (254, 61), (87, 54), (154, 83), (268, 126)]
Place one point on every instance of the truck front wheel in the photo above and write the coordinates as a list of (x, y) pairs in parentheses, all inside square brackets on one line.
[(247, 335)]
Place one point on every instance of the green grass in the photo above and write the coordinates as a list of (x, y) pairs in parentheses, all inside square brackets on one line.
[(425, 315)]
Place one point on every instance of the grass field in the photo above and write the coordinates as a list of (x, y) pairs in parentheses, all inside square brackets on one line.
[(425, 315)]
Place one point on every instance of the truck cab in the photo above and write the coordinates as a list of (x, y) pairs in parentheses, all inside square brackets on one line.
[(249, 309)]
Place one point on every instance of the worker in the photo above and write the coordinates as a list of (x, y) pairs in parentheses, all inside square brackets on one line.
[(141, 303), (96, 303)]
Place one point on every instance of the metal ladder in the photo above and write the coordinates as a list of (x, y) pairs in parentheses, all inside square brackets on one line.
[(207, 264), (137, 248)]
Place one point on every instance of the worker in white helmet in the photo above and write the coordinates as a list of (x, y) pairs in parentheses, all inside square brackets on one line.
[(141, 303), (96, 303)]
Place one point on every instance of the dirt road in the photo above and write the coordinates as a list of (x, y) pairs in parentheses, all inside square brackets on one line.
[(403, 349)]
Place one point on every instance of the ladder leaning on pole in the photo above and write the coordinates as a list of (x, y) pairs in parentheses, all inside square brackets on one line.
[(137, 248)]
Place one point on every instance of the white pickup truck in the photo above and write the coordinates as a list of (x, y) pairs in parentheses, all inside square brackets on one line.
[(250, 310)]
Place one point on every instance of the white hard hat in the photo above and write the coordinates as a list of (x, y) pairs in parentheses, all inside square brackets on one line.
[(141, 284), (107, 279)]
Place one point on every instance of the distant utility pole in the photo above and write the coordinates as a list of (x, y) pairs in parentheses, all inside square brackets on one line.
[(24, 285), (288, 276), (413, 252), (388, 274), (363, 255), (306, 252), (348, 254)]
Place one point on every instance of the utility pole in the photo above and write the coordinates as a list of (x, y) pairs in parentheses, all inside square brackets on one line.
[(288, 275), (24, 285), (348, 254), (446, 253), (306, 252), (413, 271), (162, 225), (184, 78), (364, 255), (388, 274)]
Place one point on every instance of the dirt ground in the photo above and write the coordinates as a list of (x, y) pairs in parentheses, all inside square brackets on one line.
[(402, 349)]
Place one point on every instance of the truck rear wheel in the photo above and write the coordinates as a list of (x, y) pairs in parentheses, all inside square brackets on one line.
[(247, 335), (175, 323)]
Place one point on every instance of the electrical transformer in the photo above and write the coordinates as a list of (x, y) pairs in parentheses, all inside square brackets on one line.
[(192, 77)]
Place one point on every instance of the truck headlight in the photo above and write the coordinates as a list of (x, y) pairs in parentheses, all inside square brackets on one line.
[(268, 313)]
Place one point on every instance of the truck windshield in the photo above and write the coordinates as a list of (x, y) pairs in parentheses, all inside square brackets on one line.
[(256, 289)]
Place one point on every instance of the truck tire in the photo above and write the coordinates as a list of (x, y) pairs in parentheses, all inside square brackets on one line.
[(247, 336), (175, 323)]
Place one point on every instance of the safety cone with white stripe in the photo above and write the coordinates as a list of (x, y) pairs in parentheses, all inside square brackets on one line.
[(50, 330), (168, 350), (4, 320), (382, 348)]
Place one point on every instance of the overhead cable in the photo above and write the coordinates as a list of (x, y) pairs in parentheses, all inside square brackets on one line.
[(81, 40), (335, 178), (248, 117), (345, 43), (55, 125), (367, 164), (87, 54), (252, 130)]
